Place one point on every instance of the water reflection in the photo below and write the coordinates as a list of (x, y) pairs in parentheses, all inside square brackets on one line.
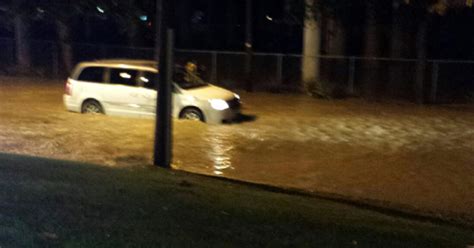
[(220, 153)]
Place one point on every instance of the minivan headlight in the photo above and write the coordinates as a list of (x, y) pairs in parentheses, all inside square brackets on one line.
[(219, 104)]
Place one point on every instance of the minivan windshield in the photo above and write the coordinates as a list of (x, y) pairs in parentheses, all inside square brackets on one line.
[(188, 80)]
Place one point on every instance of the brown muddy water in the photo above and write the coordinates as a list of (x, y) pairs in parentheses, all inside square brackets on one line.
[(401, 155)]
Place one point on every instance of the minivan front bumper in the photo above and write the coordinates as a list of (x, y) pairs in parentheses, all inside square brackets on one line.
[(218, 117)]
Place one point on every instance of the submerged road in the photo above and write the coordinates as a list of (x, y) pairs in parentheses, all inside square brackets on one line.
[(396, 155)]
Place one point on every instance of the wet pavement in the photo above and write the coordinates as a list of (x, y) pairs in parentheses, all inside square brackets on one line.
[(397, 155)]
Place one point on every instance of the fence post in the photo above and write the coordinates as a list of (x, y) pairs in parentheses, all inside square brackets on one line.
[(279, 75), (434, 82), (214, 67), (351, 79), (420, 80), (248, 70)]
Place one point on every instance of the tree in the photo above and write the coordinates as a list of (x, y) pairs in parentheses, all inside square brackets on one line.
[(426, 10), (398, 42), (375, 12), (23, 57), (334, 34), (311, 49), (421, 55), (371, 45), (127, 14), (335, 12), (17, 14), (335, 17), (423, 13), (63, 15)]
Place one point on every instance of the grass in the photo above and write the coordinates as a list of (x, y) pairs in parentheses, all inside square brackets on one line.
[(49, 203)]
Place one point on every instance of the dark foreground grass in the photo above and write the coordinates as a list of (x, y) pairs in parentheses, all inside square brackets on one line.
[(47, 203)]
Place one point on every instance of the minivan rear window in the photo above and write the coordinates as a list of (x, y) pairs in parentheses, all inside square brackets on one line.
[(92, 74)]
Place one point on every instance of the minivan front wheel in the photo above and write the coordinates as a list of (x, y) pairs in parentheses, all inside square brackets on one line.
[(92, 107), (193, 114)]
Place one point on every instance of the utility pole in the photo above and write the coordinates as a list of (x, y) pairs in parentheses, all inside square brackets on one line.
[(158, 29), (248, 45), (164, 41)]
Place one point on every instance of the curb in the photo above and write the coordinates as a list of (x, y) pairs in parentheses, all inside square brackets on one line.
[(384, 207)]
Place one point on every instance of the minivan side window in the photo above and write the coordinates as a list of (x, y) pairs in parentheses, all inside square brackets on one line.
[(92, 74), (123, 76), (147, 79)]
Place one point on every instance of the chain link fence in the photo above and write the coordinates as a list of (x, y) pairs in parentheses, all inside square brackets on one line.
[(443, 80)]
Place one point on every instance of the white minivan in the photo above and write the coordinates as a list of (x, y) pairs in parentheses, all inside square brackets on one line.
[(127, 88)]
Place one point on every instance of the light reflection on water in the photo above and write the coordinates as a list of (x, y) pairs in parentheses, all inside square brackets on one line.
[(220, 153), (208, 149)]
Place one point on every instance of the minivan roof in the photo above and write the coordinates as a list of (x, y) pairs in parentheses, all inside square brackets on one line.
[(149, 65), (133, 62)]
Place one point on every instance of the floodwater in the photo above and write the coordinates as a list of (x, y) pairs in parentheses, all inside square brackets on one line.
[(397, 155)]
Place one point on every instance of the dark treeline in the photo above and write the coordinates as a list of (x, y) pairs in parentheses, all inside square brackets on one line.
[(277, 25), (414, 29)]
